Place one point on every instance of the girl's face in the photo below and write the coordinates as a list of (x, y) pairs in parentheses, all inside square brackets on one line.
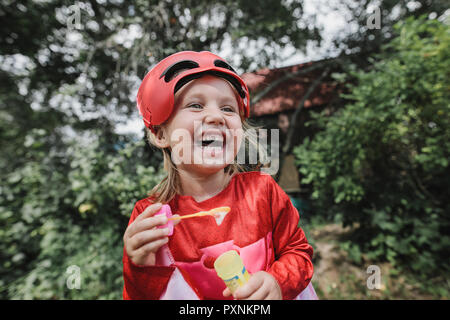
[(205, 130)]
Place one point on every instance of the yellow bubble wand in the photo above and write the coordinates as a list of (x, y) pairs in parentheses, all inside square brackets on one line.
[(218, 213)]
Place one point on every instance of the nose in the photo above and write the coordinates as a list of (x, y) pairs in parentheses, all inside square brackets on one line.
[(214, 116)]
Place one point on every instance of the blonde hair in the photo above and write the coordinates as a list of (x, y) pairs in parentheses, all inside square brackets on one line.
[(170, 186)]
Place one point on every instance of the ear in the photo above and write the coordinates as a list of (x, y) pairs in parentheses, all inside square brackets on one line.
[(161, 139)]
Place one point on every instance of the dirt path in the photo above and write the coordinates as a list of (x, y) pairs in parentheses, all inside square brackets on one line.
[(336, 277)]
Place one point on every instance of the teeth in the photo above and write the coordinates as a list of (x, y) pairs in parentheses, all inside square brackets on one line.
[(215, 144), (212, 138), (211, 141)]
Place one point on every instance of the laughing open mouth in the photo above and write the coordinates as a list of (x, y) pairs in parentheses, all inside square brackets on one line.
[(212, 142), (215, 140)]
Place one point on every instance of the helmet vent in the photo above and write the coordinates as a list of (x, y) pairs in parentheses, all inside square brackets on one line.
[(223, 64), (175, 69)]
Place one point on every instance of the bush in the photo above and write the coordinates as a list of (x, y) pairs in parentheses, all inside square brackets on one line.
[(59, 211), (381, 163)]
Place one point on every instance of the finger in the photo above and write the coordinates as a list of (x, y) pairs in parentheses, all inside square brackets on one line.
[(260, 294), (176, 221), (142, 238), (273, 289), (149, 211), (151, 247), (249, 288), (275, 294), (272, 296), (226, 292), (147, 224)]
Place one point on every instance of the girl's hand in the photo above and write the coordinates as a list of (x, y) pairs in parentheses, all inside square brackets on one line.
[(261, 286), (143, 238)]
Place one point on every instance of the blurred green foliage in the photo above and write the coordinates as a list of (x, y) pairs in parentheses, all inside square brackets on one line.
[(68, 182), (381, 163), (52, 219)]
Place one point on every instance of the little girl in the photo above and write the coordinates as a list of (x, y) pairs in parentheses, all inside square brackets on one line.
[(194, 106)]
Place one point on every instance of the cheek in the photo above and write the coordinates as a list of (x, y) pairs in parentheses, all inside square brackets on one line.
[(181, 130), (238, 133), (181, 146), (234, 140), (234, 122)]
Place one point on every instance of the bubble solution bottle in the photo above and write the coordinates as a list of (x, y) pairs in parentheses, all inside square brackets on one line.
[(231, 270)]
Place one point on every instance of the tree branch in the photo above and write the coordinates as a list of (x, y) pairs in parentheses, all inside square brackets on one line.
[(288, 76), (300, 106)]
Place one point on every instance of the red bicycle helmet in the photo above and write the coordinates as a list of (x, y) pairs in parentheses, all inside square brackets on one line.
[(155, 97)]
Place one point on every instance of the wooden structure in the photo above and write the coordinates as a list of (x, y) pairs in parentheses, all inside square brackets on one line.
[(281, 99)]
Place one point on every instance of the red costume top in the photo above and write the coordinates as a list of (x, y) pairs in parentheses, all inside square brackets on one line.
[(262, 226)]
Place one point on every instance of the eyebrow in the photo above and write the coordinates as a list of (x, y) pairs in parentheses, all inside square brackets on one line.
[(223, 98)]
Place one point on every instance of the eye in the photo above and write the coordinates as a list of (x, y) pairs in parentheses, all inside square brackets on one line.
[(228, 109), (195, 106)]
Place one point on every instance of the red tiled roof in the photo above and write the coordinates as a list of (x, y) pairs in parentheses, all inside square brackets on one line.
[(287, 94)]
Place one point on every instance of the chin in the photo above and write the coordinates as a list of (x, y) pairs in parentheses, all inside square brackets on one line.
[(208, 169), (206, 159)]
